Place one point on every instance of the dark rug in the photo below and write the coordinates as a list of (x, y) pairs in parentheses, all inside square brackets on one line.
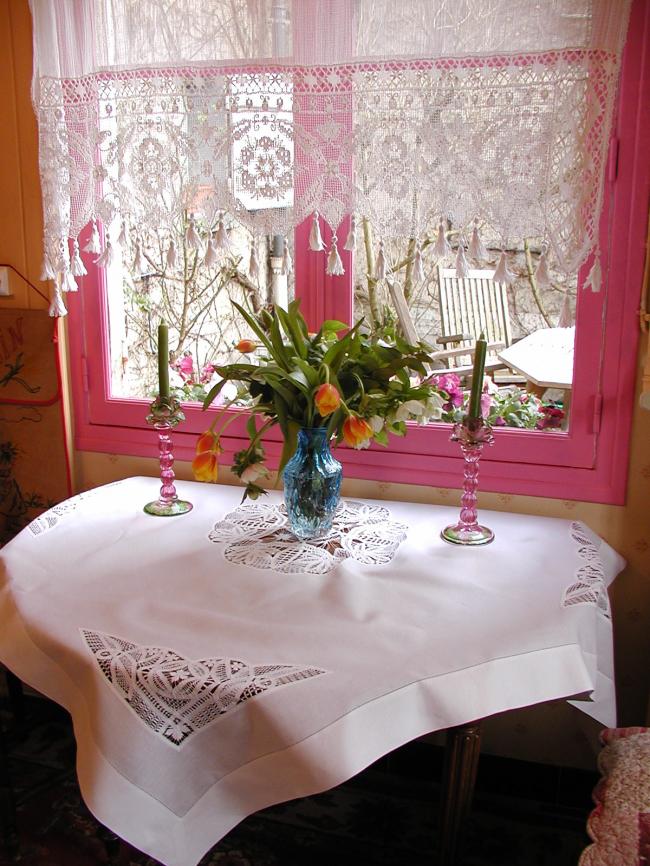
[(386, 815)]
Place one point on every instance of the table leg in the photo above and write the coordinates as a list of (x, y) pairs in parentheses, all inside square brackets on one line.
[(7, 801), (459, 775)]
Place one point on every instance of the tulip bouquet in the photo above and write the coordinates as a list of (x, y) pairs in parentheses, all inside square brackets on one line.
[(360, 386)]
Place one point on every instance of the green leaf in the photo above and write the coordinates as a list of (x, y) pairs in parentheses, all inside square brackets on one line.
[(213, 393), (311, 374), (301, 381), (290, 444), (253, 324), (333, 325), (336, 352), (292, 331)]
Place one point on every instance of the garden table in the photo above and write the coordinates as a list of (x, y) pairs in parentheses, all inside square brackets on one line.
[(213, 665)]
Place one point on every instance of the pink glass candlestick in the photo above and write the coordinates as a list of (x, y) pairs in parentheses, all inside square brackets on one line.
[(166, 414), (473, 434)]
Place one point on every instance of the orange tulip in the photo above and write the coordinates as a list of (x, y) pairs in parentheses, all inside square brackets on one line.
[(357, 432), (205, 466), (327, 400), (207, 441), (246, 346)]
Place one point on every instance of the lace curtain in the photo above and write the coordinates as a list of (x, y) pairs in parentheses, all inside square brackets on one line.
[(481, 116)]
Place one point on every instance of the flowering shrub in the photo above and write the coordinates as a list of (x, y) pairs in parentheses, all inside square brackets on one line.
[(360, 386), (501, 407)]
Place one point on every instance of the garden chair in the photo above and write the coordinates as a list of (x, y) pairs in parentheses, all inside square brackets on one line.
[(468, 307)]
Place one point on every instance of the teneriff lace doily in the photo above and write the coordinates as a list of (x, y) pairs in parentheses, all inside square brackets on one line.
[(258, 535), (174, 696), (589, 586)]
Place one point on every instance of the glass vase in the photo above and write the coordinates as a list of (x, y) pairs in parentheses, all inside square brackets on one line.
[(312, 484)]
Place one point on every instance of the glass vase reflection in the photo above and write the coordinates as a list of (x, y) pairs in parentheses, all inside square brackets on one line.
[(312, 484)]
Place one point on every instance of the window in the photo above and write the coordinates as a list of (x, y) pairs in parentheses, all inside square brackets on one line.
[(575, 464)]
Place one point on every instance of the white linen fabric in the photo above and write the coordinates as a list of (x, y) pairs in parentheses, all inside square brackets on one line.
[(143, 629), (159, 117)]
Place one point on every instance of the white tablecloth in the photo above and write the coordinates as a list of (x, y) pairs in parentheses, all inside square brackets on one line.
[(203, 688)]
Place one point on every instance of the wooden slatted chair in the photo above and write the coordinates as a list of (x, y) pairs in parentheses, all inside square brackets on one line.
[(468, 307)]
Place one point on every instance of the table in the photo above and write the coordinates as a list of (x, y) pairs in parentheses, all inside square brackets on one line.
[(544, 358), (213, 667)]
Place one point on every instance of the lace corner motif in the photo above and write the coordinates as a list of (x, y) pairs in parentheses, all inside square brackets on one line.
[(589, 585), (176, 697), (257, 535), (50, 518)]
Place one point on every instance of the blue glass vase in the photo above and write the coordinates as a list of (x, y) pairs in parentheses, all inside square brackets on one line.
[(312, 484)]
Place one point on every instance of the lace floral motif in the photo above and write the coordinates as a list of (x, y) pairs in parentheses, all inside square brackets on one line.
[(257, 535), (589, 587), (175, 696)]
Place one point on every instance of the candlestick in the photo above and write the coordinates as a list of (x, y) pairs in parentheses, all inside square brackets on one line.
[(163, 361), (472, 434), (164, 415), (474, 410)]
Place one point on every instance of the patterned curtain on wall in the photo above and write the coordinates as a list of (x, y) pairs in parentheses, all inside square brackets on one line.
[(485, 115)]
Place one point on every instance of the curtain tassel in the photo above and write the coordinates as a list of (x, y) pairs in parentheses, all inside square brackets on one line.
[(566, 319), (47, 271), (94, 244), (221, 239), (106, 258), (211, 256), (253, 264), (68, 283), (351, 240), (138, 262), (315, 240), (57, 307), (442, 248), (287, 262), (334, 264), (380, 263), (171, 255), (476, 248), (595, 277), (77, 267), (462, 265), (503, 274), (192, 238), (122, 238), (542, 277), (418, 267)]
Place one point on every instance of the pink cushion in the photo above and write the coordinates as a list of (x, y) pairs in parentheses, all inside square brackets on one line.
[(620, 823)]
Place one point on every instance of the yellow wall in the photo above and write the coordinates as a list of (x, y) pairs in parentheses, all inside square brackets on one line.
[(555, 732)]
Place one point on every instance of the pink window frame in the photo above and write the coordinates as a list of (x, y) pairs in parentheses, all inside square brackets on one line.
[(588, 463)]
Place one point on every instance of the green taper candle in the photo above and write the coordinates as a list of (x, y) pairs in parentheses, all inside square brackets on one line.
[(163, 360), (474, 410)]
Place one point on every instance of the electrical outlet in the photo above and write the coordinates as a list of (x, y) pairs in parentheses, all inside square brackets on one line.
[(4, 282)]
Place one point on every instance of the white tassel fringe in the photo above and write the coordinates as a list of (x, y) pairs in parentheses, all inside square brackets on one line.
[(351, 240), (122, 238), (380, 263), (441, 248), (334, 264), (287, 261), (57, 307), (138, 261), (476, 248), (211, 256), (595, 277), (106, 258), (542, 277), (47, 271), (462, 265), (77, 267), (171, 255), (253, 264), (315, 240), (192, 237), (221, 239), (69, 284), (418, 267), (94, 244), (503, 274)]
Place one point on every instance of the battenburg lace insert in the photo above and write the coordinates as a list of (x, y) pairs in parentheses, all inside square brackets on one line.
[(53, 516), (589, 586), (257, 534), (175, 696)]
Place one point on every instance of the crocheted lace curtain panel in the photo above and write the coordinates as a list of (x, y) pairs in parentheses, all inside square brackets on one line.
[(417, 114)]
